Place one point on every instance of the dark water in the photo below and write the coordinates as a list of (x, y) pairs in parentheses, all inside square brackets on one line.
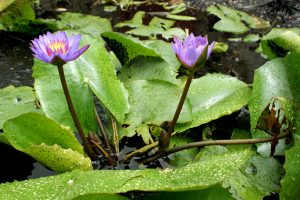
[(240, 60)]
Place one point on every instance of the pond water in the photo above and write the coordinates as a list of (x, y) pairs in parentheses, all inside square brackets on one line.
[(240, 60)]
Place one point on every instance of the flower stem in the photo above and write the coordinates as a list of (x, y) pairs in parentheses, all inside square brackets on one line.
[(165, 136), (78, 126)]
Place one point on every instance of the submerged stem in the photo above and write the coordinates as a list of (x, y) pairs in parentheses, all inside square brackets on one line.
[(78, 126)]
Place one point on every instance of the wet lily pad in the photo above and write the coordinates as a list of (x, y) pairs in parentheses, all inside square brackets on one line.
[(46, 141), (213, 96), (85, 23), (199, 175), (16, 101), (280, 41)]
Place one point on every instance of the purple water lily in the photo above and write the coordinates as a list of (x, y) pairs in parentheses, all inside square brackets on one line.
[(57, 48), (192, 51)]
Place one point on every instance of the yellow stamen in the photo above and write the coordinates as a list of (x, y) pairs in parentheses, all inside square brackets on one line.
[(58, 47)]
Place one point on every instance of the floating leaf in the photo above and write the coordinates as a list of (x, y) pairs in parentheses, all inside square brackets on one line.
[(234, 21), (199, 175), (215, 192), (46, 141), (149, 68), (153, 102), (220, 47), (213, 96), (17, 16), (53, 102), (276, 79), (251, 38), (126, 47), (180, 17), (184, 157), (101, 197), (4, 4), (290, 182), (280, 41), (136, 21), (85, 23), (16, 101)]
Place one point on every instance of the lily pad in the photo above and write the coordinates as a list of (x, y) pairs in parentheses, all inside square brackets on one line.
[(46, 141), (127, 47), (85, 23), (153, 102), (290, 183), (213, 96), (4, 4), (199, 175), (280, 41), (234, 21), (16, 101)]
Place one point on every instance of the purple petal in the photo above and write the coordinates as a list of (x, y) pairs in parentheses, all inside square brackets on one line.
[(74, 43), (76, 54), (210, 48)]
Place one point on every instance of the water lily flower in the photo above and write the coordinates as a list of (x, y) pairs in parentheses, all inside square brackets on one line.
[(57, 48), (193, 51)]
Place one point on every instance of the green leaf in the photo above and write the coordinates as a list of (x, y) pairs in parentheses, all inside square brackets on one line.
[(184, 157), (181, 17), (126, 47), (280, 41), (154, 102), (16, 101), (212, 193), (251, 38), (199, 175), (258, 178), (278, 78), (98, 69), (234, 21), (17, 16), (157, 26), (4, 4), (53, 102), (136, 21), (149, 68), (46, 141), (101, 197), (85, 23), (213, 96), (220, 47), (290, 183)]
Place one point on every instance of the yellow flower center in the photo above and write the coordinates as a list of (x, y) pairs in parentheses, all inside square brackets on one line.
[(58, 47)]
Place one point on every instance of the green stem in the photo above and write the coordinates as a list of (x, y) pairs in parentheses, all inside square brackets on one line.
[(226, 142), (215, 142), (164, 139), (78, 126), (180, 104)]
